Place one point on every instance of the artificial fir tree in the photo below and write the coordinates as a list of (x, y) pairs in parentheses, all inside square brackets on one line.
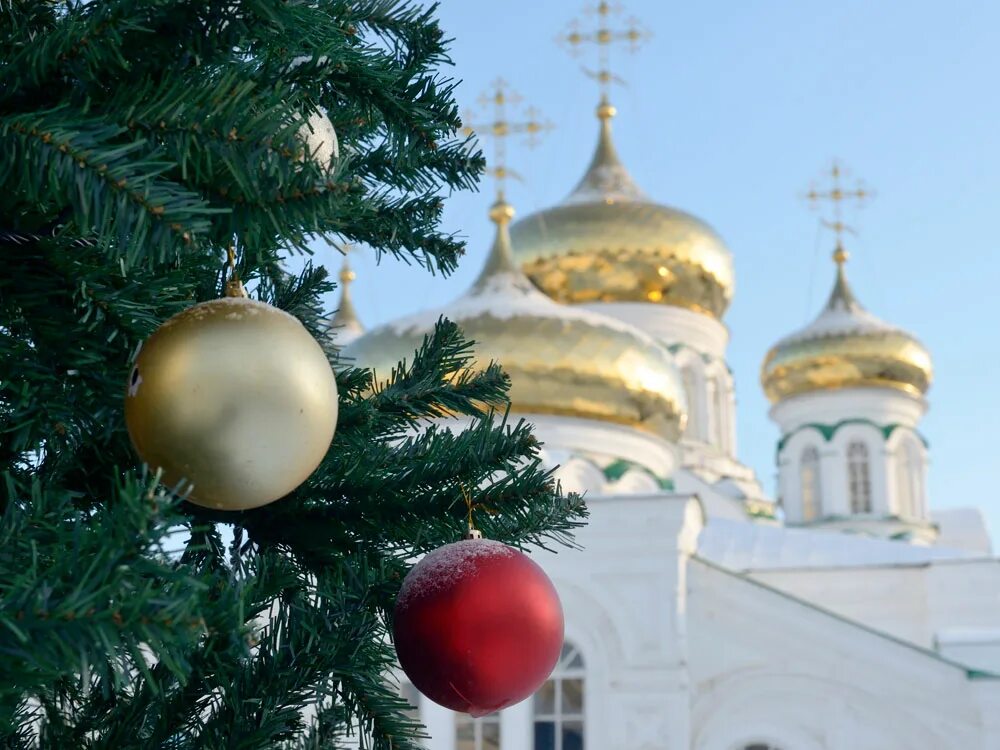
[(139, 140)]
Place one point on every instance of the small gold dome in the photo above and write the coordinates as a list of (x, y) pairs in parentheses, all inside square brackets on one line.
[(345, 326), (846, 347), (607, 242), (561, 360)]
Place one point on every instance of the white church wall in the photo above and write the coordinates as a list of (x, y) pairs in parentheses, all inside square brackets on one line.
[(716, 504), (884, 406), (912, 602), (891, 599), (962, 528), (769, 668), (987, 695), (977, 648)]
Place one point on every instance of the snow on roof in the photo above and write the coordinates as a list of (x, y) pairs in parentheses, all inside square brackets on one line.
[(741, 546)]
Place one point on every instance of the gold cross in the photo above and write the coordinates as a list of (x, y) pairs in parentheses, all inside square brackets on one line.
[(603, 37), (500, 128), (836, 195)]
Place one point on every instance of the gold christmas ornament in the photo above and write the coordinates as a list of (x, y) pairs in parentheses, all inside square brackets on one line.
[(236, 399)]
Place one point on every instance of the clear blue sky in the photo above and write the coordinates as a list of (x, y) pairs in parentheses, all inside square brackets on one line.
[(730, 111)]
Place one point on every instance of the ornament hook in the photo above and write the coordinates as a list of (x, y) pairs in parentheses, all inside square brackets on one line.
[(234, 287), (471, 532)]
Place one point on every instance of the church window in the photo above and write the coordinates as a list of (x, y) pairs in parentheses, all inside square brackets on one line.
[(809, 474), (859, 483), (482, 733), (690, 395), (558, 705)]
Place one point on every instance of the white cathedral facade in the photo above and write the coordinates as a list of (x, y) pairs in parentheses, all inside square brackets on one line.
[(701, 613)]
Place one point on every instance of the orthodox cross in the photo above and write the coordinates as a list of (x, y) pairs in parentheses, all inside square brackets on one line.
[(835, 195), (603, 37), (495, 103)]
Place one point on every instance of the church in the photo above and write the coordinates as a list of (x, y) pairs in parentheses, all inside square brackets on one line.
[(703, 612)]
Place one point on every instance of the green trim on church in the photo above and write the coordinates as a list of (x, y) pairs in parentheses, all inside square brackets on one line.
[(674, 348), (829, 430), (616, 470)]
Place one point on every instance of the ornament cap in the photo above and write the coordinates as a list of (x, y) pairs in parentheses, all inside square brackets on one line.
[(235, 288), (472, 533)]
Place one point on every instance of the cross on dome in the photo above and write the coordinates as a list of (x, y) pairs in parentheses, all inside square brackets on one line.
[(603, 37), (495, 103), (835, 195)]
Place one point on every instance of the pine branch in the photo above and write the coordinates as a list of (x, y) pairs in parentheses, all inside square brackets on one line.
[(140, 139), (108, 591), (77, 163)]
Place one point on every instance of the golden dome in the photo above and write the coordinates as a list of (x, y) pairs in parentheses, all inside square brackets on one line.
[(561, 360), (846, 347), (345, 326), (607, 242)]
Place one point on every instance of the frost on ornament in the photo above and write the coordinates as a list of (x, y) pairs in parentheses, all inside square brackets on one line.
[(447, 565)]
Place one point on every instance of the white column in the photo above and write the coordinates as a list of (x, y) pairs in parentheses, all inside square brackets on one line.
[(787, 488), (712, 416), (880, 463), (833, 478), (730, 416), (440, 723), (516, 726)]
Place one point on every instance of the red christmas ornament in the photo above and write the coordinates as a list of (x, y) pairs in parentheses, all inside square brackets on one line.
[(478, 626)]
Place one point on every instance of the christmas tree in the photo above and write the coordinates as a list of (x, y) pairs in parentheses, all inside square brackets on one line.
[(140, 142)]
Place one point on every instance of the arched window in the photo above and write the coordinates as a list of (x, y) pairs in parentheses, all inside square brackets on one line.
[(559, 705), (722, 411), (691, 396), (809, 475), (477, 734), (859, 482)]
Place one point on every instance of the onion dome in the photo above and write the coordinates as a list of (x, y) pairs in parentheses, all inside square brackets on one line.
[(561, 360), (846, 347), (345, 326), (607, 242)]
